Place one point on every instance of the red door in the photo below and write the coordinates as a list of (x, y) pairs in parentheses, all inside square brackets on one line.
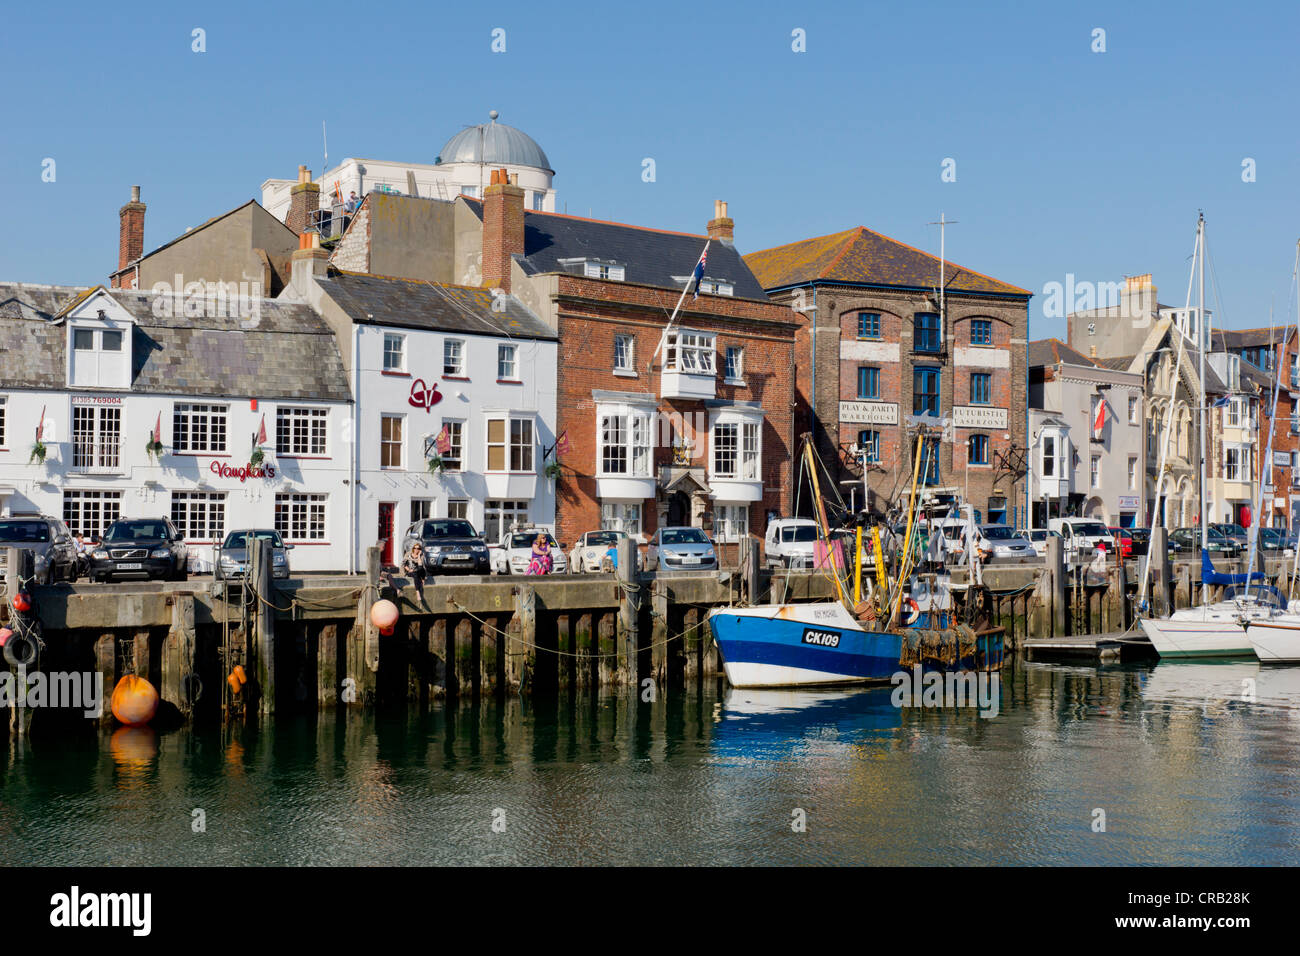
[(387, 509)]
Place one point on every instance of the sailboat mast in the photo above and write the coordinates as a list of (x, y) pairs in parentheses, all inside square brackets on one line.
[(1202, 345)]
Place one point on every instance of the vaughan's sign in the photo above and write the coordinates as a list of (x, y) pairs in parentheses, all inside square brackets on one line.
[(424, 396), (243, 472)]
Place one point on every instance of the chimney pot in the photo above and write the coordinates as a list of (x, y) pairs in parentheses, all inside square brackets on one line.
[(135, 194), (720, 226)]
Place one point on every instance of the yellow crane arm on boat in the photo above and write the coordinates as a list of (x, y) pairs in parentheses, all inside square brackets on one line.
[(905, 561), (882, 576), (822, 526)]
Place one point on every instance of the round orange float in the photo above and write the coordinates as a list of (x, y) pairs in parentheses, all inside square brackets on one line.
[(22, 602), (383, 614), (134, 701)]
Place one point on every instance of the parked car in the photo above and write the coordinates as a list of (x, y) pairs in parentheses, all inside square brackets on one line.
[(1188, 541), (1131, 541), (1276, 541), (53, 548), (1235, 533), (681, 549), (1083, 536), (451, 546), (789, 543), (516, 549), (1038, 538), (588, 555), (140, 548), (233, 559), (1002, 543)]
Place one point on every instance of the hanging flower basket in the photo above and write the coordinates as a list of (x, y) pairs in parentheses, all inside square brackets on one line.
[(436, 465), (256, 458), (553, 470), (38, 454), (154, 449)]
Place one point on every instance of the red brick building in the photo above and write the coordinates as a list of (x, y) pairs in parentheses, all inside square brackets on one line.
[(1262, 348), (690, 425), (878, 345)]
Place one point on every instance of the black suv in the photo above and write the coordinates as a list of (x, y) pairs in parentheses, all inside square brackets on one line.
[(49, 541), (140, 548), (451, 546)]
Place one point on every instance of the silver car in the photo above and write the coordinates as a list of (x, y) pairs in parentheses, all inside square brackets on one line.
[(1004, 543), (681, 549), (233, 559)]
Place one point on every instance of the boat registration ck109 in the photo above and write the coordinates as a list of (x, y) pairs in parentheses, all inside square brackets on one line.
[(812, 635)]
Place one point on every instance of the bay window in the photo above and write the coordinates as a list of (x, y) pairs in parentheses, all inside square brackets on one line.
[(690, 352), (509, 444), (622, 516), (624, 444)]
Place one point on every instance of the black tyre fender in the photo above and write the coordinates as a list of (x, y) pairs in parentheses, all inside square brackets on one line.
[(22, 649)]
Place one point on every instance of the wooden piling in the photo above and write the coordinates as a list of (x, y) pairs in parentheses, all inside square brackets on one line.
[(629, 612), (263, 644), (178, 671)]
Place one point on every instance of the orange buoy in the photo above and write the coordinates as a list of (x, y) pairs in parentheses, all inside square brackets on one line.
[(134, 701), (383, 614), (238, 672), (234, 683), (22, 602)]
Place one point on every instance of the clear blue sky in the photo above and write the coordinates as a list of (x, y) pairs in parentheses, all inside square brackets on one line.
[(1067, 161)]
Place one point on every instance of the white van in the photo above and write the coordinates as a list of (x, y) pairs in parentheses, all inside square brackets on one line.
[(789, 543), (1083, 536)]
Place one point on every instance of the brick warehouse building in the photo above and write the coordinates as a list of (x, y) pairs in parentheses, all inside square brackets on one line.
[(1281, 476), (700, 434), (874, 350)]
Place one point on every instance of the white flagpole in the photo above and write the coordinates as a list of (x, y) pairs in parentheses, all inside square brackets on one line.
[(680, 300)]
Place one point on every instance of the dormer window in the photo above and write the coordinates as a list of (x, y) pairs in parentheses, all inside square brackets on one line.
[(717, 287), (602, 270), (98, 358)]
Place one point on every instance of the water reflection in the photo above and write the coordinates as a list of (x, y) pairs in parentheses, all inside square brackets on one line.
[(1187, 769)]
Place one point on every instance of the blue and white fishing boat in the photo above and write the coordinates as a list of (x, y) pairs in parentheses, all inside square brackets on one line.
[(787, 645), (837, 642)]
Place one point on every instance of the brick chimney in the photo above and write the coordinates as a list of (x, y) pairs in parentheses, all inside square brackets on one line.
[(1138, 299), (130, 240), (304, 199), (720, 227), (503, 229)]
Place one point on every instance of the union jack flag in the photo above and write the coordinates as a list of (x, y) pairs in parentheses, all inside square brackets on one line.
[(699, 272)]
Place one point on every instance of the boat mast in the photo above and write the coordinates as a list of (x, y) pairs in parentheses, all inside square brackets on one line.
[(1202, 345)]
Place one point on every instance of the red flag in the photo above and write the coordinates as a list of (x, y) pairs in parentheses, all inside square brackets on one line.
[(40, 428), (157, 428), (562, 444), (261, 431), (1100, 422), (443, 441)]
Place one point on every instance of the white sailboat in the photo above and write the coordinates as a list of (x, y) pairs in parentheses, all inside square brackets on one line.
[(1216, 629)]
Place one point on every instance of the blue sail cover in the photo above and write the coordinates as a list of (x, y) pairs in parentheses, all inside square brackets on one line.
[(1211, 576)]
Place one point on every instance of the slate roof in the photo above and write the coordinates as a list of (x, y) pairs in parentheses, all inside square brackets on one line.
[(860, 255), (1231, 339), (1053, 351), (653, 257), (288, 352), (417, 304)]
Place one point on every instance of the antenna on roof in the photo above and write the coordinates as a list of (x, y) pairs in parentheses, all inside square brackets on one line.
[(942, 223), (325, 140)]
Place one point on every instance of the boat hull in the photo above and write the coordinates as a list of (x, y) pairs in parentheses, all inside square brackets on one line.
[(1197, 638), (810, 645), (1275, 642)]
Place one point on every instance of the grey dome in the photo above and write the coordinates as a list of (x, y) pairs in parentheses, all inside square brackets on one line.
[(494, 142)]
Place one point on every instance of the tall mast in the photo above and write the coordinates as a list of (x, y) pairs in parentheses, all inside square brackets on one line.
[(1202, 345)]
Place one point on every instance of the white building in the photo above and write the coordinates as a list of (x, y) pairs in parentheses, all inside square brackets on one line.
[(89, 375), (462, 166), (424, 356)]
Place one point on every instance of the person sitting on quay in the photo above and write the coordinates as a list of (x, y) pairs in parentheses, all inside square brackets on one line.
[(413, 565), (540, 561)]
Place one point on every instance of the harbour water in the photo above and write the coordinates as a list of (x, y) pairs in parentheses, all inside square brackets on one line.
[(1176, 761)]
